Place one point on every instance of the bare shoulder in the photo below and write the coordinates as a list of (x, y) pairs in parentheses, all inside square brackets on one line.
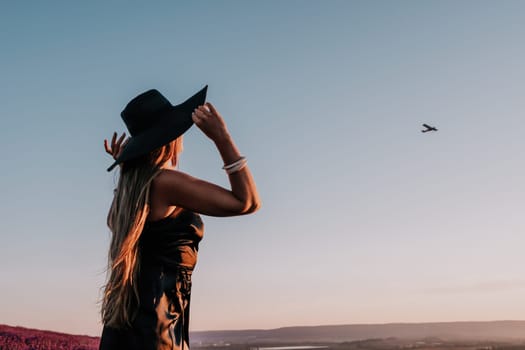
[(172, 183), (168, 190), (169, 178)]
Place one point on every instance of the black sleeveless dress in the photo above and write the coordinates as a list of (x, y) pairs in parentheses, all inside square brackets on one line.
[(168, 252)]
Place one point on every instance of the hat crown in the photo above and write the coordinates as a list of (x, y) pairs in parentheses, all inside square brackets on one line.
[(144, 111)]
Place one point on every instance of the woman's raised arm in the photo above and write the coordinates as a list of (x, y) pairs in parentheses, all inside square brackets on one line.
[(180, 189)]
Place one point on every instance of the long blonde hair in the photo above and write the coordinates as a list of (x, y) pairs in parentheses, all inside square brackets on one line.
[(126, 219)]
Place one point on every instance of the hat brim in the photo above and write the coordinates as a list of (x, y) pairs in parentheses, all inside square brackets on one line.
[(175, 122)]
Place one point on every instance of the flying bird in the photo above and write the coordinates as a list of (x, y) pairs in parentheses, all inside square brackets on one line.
[(428, 128)]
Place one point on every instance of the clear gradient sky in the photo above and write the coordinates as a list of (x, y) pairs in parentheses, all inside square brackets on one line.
[(364, 220)]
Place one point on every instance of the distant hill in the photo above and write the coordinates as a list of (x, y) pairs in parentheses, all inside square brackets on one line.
[(20, 338), (454, 331)]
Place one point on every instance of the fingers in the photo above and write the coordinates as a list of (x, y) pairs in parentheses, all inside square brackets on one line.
[(117, 148), (209, 121), (211, 108), (121, 138), (116, 145), (113, 139), (204, 110), (199, 116), (195, 118), (106, 147), (200, 113)]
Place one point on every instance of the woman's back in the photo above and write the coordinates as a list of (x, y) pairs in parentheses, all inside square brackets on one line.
[(168, 252)]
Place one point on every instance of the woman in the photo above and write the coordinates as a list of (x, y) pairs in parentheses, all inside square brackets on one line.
[(155, 222)]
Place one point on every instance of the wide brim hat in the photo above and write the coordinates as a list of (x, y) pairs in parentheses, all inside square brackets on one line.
[(153, 122)]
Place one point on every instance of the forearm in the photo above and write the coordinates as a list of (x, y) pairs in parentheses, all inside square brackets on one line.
[(242, 184)]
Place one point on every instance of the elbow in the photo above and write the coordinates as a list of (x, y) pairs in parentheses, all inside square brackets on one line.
[(251, 207), (256, 205)]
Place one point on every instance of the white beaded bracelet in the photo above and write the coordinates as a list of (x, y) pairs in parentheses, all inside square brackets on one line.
[(235, 166)]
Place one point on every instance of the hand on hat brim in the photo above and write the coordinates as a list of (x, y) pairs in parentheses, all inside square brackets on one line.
[(209, 120), (116, 145)]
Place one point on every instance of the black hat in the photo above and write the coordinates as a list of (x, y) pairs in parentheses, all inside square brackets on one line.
[(153, 121)]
